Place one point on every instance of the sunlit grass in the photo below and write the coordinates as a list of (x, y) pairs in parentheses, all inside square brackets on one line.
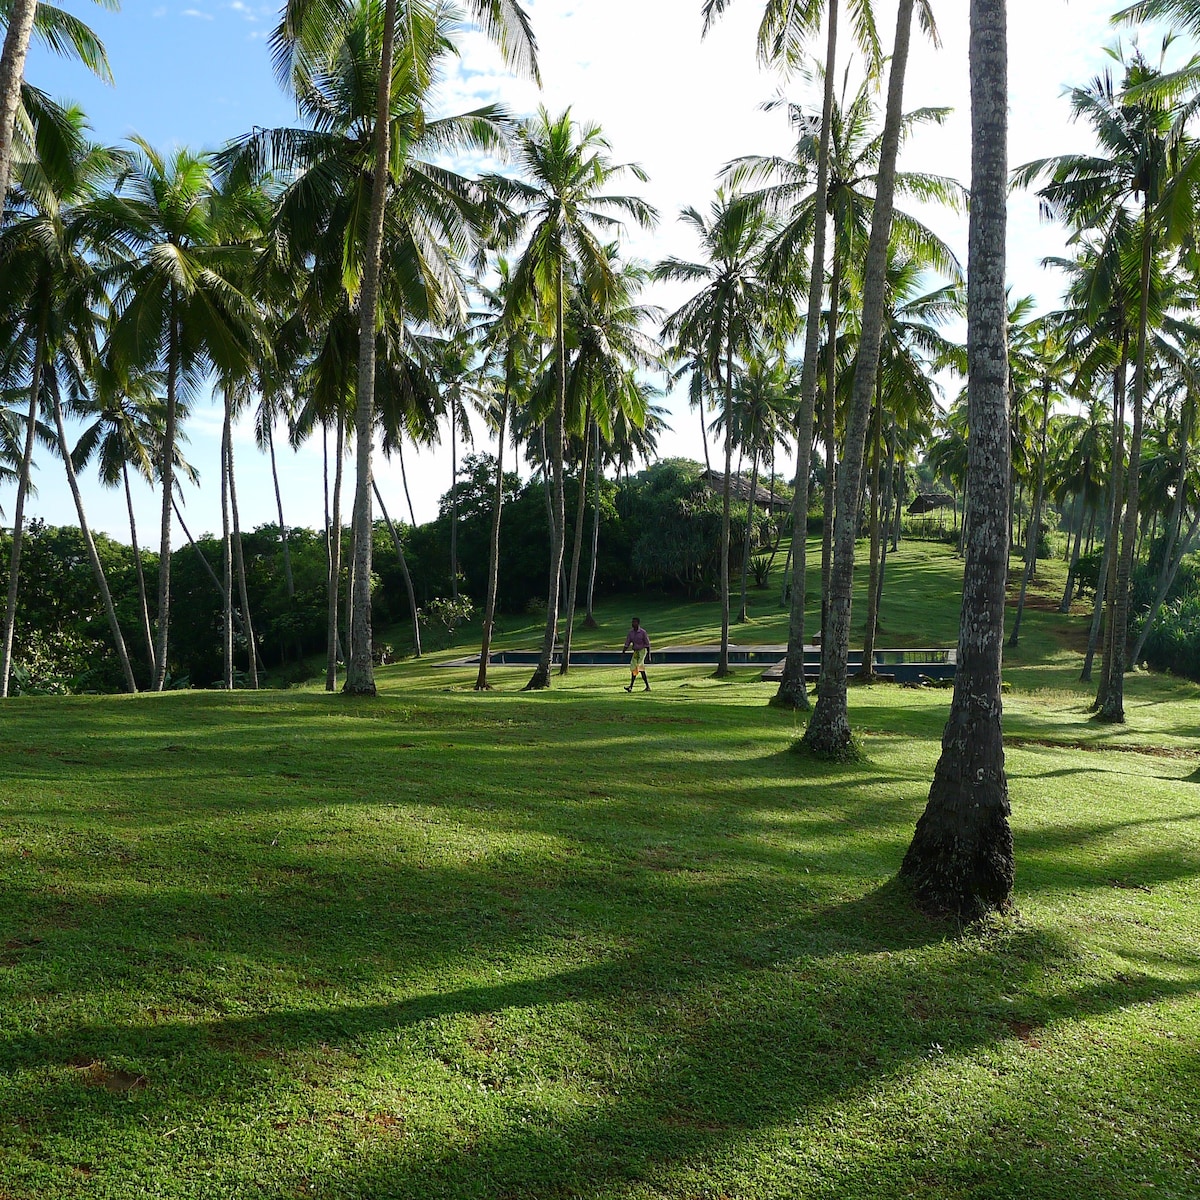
[(587, 944)]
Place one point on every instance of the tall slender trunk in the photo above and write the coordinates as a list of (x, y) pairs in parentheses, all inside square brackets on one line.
[(360, 665), (829, 495), (901, 485), (12, 70), (589, 620), (167, 478), (828, 731), (489, 608), (94, 558), (961, 856), (1166, 574), (14, 562), (743, 616), (239, 559), (1112, 706), (412, 516), (1065, 604), (226, 552), (289, 580), (541, 675), (453, 505), (548, 493), (1033, 530), (888, 485), (792, 692), (573, 579), (867, 670), (704, 435), (404, 571), (334, 563), (141, 574), (723, 659)]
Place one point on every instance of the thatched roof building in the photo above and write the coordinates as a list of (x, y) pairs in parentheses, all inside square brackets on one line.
[(739, 491)]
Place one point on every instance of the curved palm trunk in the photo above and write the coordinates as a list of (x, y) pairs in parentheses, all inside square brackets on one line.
[(558, 516), (704, 436), (1033, 530), (961, 856), (360, 668), (489, 608), (408, 583), (94, 558), (226, 553), (576, 551), (20, 16), (239, 560), (723, 659), (888, 485), (792, 691), (335, 564), (743, 616), (829, 729), (141, 574), (14, 562), (412, 516), (283, 533), (589, 620)]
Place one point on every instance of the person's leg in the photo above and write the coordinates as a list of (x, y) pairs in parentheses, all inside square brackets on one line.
[(645, 680)]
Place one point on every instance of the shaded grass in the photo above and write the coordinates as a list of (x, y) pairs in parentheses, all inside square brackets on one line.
[(587, 944)]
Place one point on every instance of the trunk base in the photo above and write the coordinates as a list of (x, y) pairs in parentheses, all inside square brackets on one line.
[(963, 873), (589, 622), (364, 687), (791, 696), (539, 681), (828, 734), (483, 686), (867, 677), (1111, 712)]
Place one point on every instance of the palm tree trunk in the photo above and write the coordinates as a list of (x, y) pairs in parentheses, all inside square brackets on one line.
[(141, 574), (743, 616), (1033, 529), (283, 533), (589, 620), (167, 478), (1065, 604), (404, 571), (453, 505), (360, 667), (226, 552), (335, 563), (576, 551), (489, 608), (412, 516), (20, 16), (828, 731), (239, 559), (94, 558), (14, 562), (793, 693), (541, 675), (888, 485), (723, 660), (866, 671), (961, 856), (829, 495), (1171, 564), (704, 434)]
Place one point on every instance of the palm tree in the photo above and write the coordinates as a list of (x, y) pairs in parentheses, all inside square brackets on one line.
[(174, 308), (565, 210), (722, 321), (302, 36), (64, 34), (1147, 171), (961, 856), (828, 731)]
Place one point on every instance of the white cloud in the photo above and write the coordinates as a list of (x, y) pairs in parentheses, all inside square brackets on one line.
[(195, 12)]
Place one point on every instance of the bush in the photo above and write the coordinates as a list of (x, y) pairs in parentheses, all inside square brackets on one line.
[(441, 617)]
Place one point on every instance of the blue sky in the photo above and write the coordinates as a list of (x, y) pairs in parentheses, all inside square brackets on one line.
[(198, 73)]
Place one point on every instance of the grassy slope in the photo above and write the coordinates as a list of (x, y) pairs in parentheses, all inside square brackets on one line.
[(587, 944)]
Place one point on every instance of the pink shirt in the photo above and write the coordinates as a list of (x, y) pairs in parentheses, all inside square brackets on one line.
[(638, 638)]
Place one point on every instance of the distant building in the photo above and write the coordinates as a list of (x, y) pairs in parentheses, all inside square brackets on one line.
[(739, 491)]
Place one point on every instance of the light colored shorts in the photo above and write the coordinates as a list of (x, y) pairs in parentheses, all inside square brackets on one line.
[(639, 660)]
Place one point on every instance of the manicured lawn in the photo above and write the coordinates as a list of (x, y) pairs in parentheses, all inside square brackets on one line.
[(585, 944)]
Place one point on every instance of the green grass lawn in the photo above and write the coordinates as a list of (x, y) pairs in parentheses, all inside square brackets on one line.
[(585, 944)]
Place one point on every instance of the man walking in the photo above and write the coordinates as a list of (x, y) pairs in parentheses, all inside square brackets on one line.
[(639, 640)]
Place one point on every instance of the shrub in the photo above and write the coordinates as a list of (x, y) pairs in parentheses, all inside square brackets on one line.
[(441, 616)]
